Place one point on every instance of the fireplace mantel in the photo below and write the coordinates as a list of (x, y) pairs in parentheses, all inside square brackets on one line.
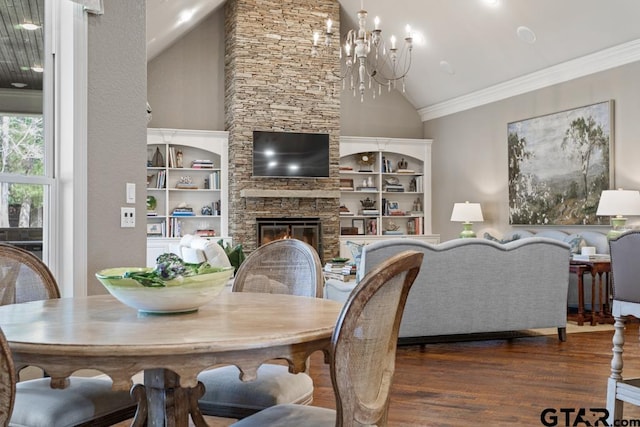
[(307, 194)]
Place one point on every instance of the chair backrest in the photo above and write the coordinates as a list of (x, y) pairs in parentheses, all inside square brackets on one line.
[(364, 342), (625, 266), (286, 266), (7, 381), (24, 277)]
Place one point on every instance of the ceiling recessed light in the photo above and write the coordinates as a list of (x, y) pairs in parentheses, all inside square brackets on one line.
[(37, 68), (446, 67), (526, 35), (185, 16), (29, 26), (19, 85)]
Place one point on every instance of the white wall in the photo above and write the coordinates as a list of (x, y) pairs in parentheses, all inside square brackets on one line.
[(117, 152), (470, 152)]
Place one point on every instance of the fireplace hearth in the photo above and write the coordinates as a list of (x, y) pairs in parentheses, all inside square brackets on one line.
[(305, 229)]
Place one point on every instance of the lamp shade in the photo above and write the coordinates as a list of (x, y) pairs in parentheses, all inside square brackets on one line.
[(467, 212), (619, 202)]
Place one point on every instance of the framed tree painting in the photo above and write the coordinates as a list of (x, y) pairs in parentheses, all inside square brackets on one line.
[(558, 166)]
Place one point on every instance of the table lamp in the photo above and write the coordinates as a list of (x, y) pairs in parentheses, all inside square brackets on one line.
[(617, 203), (467, 213)]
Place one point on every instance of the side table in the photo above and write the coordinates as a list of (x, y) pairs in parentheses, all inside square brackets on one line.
[(597, 269)]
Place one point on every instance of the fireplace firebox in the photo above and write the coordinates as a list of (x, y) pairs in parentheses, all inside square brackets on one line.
[(305, 229)]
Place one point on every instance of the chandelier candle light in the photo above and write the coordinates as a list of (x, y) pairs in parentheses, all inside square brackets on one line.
[(467, 213), (375, 63)]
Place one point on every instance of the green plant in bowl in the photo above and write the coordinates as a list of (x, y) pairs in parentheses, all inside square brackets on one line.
[(170, 287)]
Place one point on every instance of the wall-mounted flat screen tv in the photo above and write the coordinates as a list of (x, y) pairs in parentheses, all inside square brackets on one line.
[(290, 154)]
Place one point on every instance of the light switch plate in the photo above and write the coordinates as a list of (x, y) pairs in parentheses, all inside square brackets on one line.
[(131, 192)]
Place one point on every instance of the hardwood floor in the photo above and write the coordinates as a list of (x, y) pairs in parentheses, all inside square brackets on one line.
[(505, 382)]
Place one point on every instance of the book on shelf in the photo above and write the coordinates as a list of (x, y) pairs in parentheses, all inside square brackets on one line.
[(346, 168), (367, 188), (152, 213), (160, 179), (406, 171), (213, 182), (394, 189), (345, 211), (370, 212), (210, 232), (396, 213), (392, 232), (202, 164), (183, 214), (186, 186)]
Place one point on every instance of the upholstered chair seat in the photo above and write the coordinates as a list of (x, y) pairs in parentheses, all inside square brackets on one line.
[(287, 266)]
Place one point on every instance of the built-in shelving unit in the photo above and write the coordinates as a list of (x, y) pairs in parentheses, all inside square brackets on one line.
[(187, 181), (385, 189)]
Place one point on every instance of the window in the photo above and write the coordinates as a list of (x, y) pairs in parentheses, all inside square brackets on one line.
[(24, 184)]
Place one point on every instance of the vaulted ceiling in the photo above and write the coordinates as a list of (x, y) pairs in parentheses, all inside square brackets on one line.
[(470, 48)]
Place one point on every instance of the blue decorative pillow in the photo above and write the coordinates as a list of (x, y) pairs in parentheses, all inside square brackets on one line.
[(356, 254), (576, 242), (503, 241)]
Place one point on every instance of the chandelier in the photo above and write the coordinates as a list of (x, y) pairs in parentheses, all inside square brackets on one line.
[(365, 60)]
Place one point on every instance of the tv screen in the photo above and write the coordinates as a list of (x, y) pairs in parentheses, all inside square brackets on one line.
[(290, 154)]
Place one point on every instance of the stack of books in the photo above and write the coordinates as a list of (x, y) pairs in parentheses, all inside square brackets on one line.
[(592, 258), (202, 164), (340, 270), (335, 265), (394, 188), (186, 211), (370, 212), (366, 188), (344, 211)]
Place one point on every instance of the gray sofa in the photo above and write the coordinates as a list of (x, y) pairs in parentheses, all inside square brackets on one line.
[(593, 238), (472, 286)]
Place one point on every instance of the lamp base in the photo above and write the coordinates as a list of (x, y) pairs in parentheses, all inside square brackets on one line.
[(619, 227), (467, 231)]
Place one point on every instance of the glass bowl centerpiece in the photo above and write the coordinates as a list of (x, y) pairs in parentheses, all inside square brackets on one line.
[(173, 286)]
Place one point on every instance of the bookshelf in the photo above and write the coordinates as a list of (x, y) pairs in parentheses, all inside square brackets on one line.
[(385, 189), (187, 191)]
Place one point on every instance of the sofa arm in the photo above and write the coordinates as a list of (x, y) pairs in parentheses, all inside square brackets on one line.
[(337, 290)]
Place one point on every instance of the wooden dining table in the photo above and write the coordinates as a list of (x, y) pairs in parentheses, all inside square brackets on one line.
[(99, 332)]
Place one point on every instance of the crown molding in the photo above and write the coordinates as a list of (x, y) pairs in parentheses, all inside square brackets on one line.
[(606, 59)]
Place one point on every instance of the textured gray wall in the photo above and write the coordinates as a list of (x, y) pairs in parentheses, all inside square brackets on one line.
[(469, 156), (117, 152), (186, 81)]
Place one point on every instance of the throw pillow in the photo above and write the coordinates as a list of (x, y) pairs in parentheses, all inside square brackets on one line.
[(503, 241), (356, 254), (576, 242)]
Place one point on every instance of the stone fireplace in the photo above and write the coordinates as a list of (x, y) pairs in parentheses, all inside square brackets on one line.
[(272, 84)]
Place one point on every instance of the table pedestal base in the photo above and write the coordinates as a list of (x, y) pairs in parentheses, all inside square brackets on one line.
[(163, 402)]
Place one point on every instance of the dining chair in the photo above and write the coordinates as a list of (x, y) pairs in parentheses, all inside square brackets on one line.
[(362, 354), (33, 403), (625, 268), (286, 266), (24, 277)]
